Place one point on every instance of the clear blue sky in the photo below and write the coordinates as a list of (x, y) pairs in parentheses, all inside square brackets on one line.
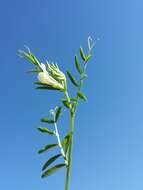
[(109, 133)]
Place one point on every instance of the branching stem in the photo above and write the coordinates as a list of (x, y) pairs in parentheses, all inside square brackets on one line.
[(72, 117)]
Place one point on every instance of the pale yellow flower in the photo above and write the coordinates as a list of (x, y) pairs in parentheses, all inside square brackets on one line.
[(45, 78)]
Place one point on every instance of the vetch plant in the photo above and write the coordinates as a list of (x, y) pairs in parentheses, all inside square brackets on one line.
[(50, 77)]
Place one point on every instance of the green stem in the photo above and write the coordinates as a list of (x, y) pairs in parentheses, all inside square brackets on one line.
[(72, 117), (70, 151), (67, 96)]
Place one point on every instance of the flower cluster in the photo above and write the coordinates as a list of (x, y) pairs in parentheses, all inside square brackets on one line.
[(48, 74), (52, 77)]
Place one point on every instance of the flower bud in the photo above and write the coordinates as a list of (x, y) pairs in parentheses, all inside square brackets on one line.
[(55, 72)]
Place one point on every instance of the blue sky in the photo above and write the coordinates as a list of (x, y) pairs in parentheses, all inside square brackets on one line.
[(108, 147)]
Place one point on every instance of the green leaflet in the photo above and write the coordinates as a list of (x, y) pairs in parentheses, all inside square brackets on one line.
[(58, 113), (66, 103), (47, 120), (29, 56), (65, 143), (52, 170), (50, 161), (87, 58), (45, 130), (48, 147), (77, 65), (82, 54), (33, 72), (35, 59), (82, 96), (46, 88), (72, 79), (25, 55)]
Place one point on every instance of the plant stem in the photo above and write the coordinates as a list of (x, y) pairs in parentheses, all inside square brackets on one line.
[(72, 117), (70, 150), (67, 96)]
